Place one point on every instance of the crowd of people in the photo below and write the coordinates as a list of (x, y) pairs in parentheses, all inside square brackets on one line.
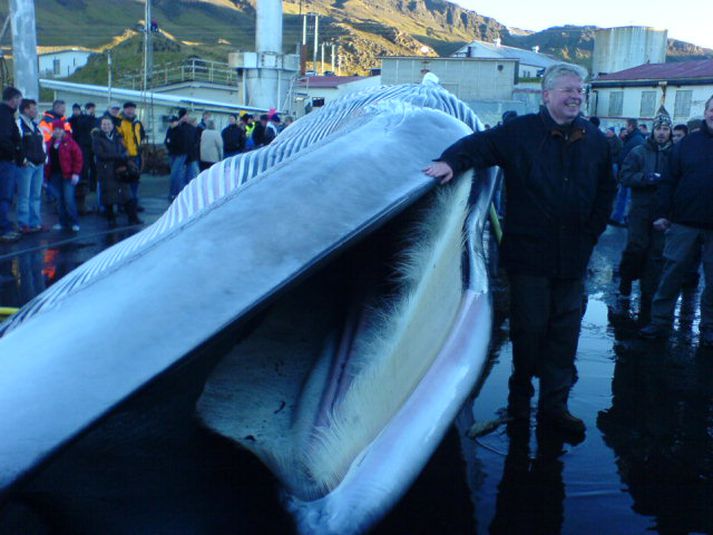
[(665, 186), (67, 157), (194, 146)]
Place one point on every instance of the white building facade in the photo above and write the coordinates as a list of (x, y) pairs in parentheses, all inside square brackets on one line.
[(681, 87), (62, 63)]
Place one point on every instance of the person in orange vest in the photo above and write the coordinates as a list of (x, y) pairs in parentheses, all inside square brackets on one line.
[(50, 116)]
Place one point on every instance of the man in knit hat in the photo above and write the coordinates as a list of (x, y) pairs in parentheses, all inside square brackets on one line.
[(642, 171), (684, 209)]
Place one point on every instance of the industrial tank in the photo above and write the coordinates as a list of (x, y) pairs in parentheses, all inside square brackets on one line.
[(616, 49)]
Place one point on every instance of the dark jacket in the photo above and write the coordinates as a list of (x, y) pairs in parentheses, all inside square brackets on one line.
[(82, 127), (233, 139), (193, 137), (686, 192), (10, 141), (633, 139), (615, 146), (110, 152), (263, 135), (558, 185), (178, 139), (33, 144)]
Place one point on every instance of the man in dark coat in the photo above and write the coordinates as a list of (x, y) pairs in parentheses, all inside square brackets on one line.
[(10, 153), (642, 171), (233, 137), (559, 190), (685, 196)]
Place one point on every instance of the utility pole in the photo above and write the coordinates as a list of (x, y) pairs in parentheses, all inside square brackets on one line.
[(322, 69), (304, 30), (148, 47), (316, 40), (334, 67), (108, 76)]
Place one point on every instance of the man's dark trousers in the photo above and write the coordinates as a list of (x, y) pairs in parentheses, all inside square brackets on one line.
[(545, 317)]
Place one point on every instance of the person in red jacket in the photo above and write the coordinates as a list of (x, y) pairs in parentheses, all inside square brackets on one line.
[(64, 165)]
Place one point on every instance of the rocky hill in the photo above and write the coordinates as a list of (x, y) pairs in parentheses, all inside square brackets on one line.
[(363, 29)]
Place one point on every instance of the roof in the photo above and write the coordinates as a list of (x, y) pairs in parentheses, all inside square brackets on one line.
[(140, 96), (327, 81), (527, 57), (663, 71)]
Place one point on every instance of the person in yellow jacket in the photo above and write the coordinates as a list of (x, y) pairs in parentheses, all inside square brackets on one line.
[(50, 116), (133, 134)]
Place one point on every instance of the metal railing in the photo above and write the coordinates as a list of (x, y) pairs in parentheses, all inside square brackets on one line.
[(193, 70)]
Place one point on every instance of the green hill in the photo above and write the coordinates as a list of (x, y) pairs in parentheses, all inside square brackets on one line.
[(363, 29)]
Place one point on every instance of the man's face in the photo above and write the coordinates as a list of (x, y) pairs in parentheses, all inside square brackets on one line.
[(610, 133), (708, 116), (114, 111), (58, 133), (59, 109), (14, 102), (564, 99), (91, 110), (662, 134), (31, 111), (231, 120), (678, 135), (76, 111), (130, 112)]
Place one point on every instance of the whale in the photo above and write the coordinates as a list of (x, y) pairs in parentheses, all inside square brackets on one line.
[(343, 294)]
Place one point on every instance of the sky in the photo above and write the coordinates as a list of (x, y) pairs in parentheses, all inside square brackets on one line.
[(686, 20)]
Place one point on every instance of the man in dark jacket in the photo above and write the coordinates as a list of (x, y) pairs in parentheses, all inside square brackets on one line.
[(685, 196), (10, 142), (177, 145), (559, 190), (634, 138), (31, 171), (642, 171), (233, 137)]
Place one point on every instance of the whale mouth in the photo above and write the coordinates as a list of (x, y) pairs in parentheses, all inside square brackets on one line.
[(329, 364)]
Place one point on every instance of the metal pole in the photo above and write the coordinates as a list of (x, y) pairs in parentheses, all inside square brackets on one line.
[(316, 41), (108, 75), (24, 47), (304, 30), (148, 48), (334, 68), (322, 69)]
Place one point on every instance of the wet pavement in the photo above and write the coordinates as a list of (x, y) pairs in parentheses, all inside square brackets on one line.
[(646, 464)]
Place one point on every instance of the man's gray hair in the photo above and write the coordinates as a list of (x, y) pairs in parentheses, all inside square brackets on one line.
[(553, 72)]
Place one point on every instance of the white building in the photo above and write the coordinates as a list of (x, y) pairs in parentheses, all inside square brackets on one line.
[(62, 63), (312, 92), (531, 62), (681, 87)]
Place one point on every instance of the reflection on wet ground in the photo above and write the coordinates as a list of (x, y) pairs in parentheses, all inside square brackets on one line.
[(646, 464)]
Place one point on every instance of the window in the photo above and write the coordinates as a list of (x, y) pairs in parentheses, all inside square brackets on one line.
[(616, 104), (648, 104), (682, 104), (56, 67)]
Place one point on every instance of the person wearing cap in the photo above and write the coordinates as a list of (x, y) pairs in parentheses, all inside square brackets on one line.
[(50, 116), (642, 171), (684, 211), (113, 112), (429, 78), (132, 130), (64, 165)]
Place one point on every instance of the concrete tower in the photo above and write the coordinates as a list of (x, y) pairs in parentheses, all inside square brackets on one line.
[(24, 47), (266, 72), (616, 49)]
